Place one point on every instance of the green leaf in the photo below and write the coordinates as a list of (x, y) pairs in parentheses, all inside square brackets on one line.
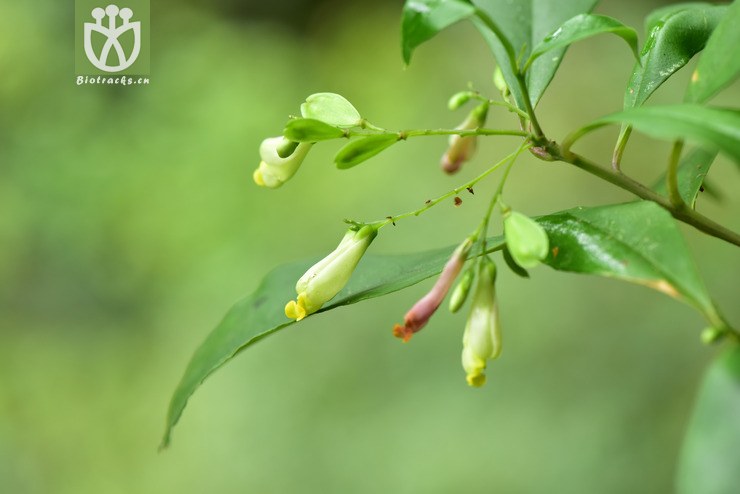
[(525, 23), (357, 151), (711, 127), (261, 313), (511, 263), (691, 172), (310, 130), (581, 27), (709, 462), (423, 19), (673, 39), (332, 109), (675, 34), (719, 65), (638, 242)]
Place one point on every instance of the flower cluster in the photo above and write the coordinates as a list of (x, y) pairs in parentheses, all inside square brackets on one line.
[(328, 116), (527, 243)]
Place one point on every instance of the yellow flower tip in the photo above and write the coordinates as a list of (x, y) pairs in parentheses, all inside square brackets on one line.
[(402, 332), (257, 177), (295, 310), (476, 380)]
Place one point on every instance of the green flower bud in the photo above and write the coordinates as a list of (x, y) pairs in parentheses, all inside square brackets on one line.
[(482, 337), (276, 169), (328, 276), (526, 239), (500, 82), (460, 293), (459, 99), (461, 148), (712, 335)]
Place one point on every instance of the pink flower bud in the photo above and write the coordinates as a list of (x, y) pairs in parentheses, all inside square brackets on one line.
[(419, 315), (461, 148), (459, 151)]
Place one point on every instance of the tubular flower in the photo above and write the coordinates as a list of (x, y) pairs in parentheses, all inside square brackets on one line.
[(274, 169), (419, 315), (482, 337), (328, 276), (461, 148)]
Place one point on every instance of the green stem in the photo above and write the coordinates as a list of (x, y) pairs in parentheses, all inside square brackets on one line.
[(672, 176), (367, 125), (462, 132), (497, 195), (528, 106), (504, 104), (684, 214), (405, 134), (433, 202), (624, 136)]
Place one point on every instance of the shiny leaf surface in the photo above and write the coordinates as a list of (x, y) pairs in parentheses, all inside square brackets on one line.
[(675, 34), (581, 27), (719, 65), (423, 19), (637, 242), (673, 39)]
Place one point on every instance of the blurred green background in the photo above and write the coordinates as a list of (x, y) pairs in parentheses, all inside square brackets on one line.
[(130, 224)]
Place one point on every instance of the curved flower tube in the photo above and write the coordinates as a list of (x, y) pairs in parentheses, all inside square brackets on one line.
[(461, 148), (328, 276), (274, 170), (419, 315)]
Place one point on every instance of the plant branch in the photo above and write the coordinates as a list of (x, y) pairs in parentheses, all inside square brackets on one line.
[(483, 228), (405, 134), (681, 212), (462, 133), (433, 202), (504, 104)]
